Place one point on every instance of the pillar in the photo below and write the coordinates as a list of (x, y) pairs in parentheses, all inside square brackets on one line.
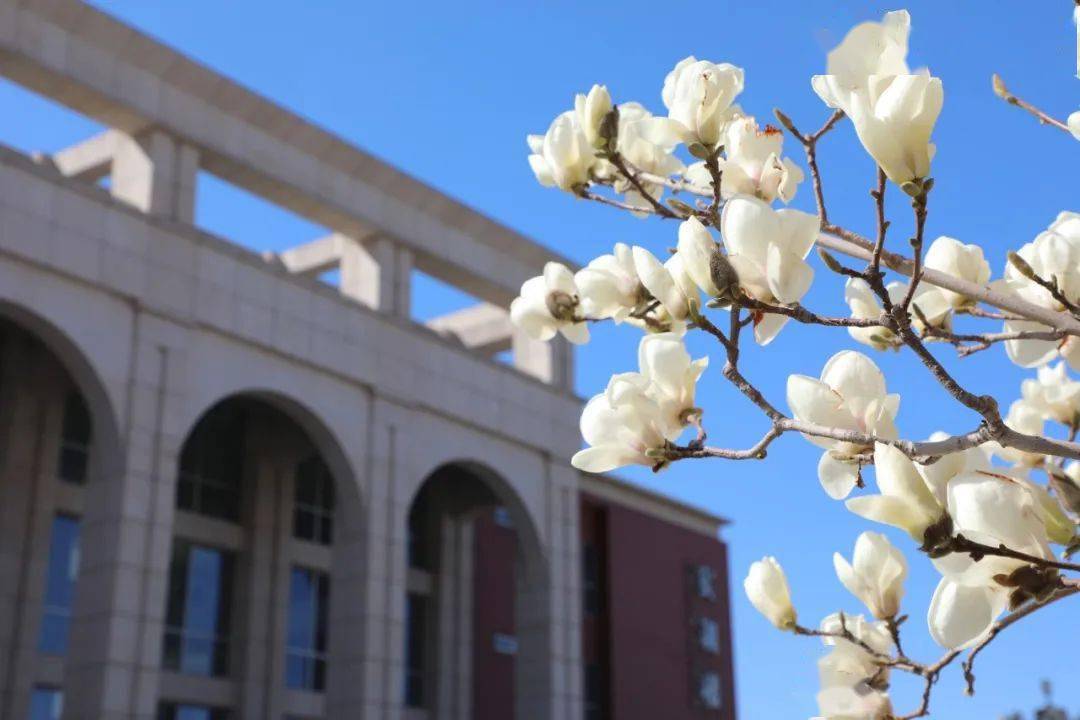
[(156, 174), (378, 273), (551, 362)]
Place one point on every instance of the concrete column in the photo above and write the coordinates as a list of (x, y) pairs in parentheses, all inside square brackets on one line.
[(156, 174), (261, 580), (378, 273), (115, 654), (552, 361), (453, 595)]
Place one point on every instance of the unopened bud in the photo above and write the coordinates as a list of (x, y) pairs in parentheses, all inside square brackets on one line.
[(699, 151), (831, 262), (999, 87), (1021, 265), (723, 276), (609, 126)]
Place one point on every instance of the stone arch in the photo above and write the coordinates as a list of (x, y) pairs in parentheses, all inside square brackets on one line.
[(108, 457), (461, 650)]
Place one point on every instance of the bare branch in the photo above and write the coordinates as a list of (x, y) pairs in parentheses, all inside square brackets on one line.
[(1003, 92)]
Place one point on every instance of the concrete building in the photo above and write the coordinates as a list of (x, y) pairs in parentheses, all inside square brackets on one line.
[(231, 490)]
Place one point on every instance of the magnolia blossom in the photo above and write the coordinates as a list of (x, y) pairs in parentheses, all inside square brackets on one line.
[(1074, 124), (864, 305), (850, 395), (1053, 394), (994, 509), (1029, 420), (700, 96), (767, 588), (752, 164), (647, 142), (768, 249), (673, 376), (549, 304), (905, 501), (1059, 527), (643, 411), (850, 675), (894, 120), (698, 251), (668, 282), (590, 111), (563, 155), (1055, 253), (609, 285), (875, 575), (870, 48), (965, 262)]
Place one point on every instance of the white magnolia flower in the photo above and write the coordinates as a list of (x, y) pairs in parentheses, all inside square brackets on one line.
[(620, 425), (700, 96), (549, 304), (954, 258), (870, 48), (668, 282), (1059, 526), (875, 575), (1023, 418), (609, 285), (563, 155), (768, 249), (930, 301), (696, 247), (894, 120), (906, 500), (1055, 253), (849, 674), (1074, 124), (1053, 394), (767, 588), (648, 143), (994, 509), (590, 111), (752, 164), (672, 375), (850, 395), (641, 411)]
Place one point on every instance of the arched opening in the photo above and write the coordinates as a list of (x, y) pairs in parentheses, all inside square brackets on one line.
[(57, 443), (264, 507), (474, 644)]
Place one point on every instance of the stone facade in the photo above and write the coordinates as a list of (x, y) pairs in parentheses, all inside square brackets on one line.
[(114, 295)]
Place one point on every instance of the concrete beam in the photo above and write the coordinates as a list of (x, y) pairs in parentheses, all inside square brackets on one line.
[(314, 258), (89, 160), (484, 328)]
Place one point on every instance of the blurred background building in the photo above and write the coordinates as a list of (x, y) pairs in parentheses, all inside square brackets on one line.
[(230, 489)]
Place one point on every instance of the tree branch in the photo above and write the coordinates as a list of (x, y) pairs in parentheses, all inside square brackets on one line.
[(1003, 92)]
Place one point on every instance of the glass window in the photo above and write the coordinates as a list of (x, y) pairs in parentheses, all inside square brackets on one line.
[(415, 642), (46, 703), (313, 502), (705, 579), (61, 574), (75, 438), (419, 549), (199, 610), (591, 587), (212, 464), (305, 645), (709, 690), (709, 635), (177, 711)]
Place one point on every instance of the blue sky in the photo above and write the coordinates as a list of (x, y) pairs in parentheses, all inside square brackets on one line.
[(447, 91)]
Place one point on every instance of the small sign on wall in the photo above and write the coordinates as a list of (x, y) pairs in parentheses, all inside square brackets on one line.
[(505, 644)]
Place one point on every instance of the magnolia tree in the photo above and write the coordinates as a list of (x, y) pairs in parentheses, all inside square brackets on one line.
[(993, 507)]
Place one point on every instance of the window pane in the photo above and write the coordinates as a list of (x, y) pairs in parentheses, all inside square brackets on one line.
[(176, 711), (46, 704), (199, 610), (212, 464), (75, 439), (305, 658), (313, 500), (60, 580)]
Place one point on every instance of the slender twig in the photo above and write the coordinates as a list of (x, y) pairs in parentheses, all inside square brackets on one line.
[(662, 210), (970, 343), (918, 204), (1071, 588), (808, 317), (1003, 92), (809, 143), (978, 550), (878, 194)]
